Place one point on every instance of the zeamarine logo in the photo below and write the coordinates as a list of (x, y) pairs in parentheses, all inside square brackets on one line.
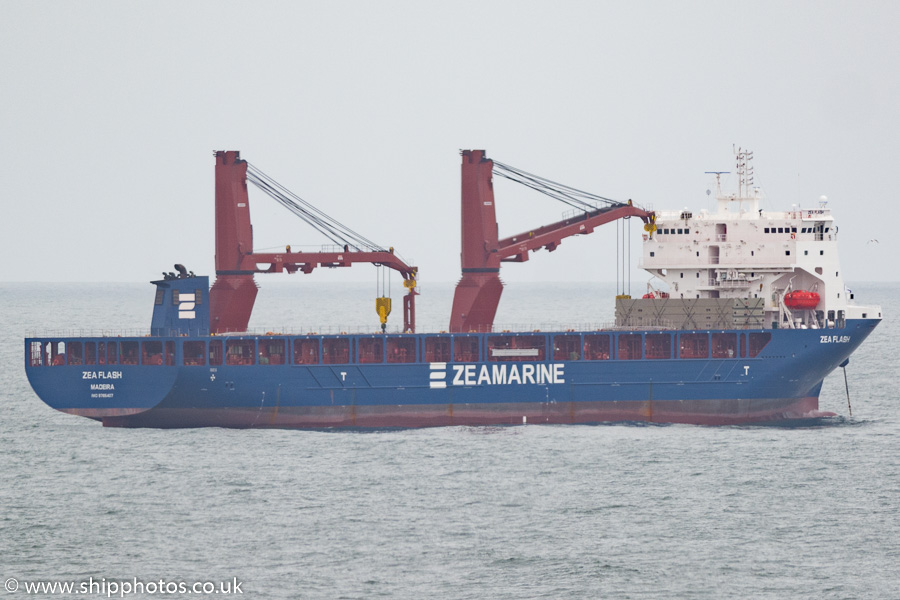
[(497, 374), (186, 306), (438, 376)]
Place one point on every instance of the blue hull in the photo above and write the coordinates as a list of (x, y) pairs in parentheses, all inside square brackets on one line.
[(781, 381)]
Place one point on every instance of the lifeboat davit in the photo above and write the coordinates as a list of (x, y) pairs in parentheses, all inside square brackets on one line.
[(801, 299)]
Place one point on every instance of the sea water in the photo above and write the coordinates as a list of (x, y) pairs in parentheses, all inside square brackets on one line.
[(607, 511)]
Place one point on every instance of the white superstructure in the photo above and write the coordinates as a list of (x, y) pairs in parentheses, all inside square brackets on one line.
[(741, 251)]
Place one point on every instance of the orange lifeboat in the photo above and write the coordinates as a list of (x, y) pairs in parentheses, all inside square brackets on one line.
[(801, 299)]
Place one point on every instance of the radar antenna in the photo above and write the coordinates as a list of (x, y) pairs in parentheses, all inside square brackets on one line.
[(718, 175)]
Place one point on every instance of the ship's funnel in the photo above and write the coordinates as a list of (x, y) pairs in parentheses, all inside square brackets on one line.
[(181, 307)]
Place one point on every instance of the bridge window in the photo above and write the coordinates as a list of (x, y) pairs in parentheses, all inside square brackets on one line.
[(629, 346), (658, 345), (271, 352), (693, 345), (566, 347), (465, 349), (596, 347), (194, 353), (306, 352), (371, 350), (758, 341), (151, 353), (724, 345), (516, 347), (437, 349), (239, 352), (401, 350), (335, 351), (215, 353)]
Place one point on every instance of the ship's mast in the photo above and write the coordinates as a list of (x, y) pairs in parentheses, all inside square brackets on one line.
[(744, 172), (745, 191)]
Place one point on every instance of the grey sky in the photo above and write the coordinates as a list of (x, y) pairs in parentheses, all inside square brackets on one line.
[(111, 112)]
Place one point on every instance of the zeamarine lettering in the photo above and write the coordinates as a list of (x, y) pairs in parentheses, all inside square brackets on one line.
[(470, 374), (507, 374), (527, 373)]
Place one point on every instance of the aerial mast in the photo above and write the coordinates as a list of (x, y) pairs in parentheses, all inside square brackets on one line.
[(745, 175)]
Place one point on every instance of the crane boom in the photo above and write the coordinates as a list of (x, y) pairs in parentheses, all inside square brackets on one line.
[(233, 294), (478, 291)]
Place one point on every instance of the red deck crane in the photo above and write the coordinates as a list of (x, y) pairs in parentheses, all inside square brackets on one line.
[(478, 292), (233, 294)]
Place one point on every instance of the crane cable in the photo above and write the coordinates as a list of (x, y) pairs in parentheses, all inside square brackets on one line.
[(580, 200), (575, 198), (334, 230)]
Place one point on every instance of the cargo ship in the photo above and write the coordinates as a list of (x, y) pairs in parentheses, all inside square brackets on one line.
[(745, 315)]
